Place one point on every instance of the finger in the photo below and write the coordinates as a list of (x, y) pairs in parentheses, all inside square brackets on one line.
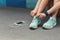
[(37, 15), (40, 16), (32, 14)]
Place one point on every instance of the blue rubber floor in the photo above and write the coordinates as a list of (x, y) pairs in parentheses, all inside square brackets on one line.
[(8, 31)]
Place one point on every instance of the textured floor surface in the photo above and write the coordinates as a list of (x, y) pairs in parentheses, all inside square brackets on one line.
[(8, 31)]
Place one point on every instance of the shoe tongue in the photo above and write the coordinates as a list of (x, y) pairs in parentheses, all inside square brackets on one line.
[(35, 19), (52, 18)]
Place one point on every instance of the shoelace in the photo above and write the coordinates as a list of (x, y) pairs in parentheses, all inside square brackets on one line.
[(51, 21), (35, 20)]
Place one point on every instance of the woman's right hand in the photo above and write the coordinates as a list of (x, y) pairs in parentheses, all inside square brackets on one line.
[(33, 13), (40, 15)]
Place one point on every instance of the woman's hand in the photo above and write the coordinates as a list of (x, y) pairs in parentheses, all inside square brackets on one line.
[(33, 13), (40, 15)]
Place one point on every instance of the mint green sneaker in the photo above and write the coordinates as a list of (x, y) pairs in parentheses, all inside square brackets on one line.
[(34, 24), (50, 23)]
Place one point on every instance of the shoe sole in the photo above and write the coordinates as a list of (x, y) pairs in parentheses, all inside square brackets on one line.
[(50, 28)]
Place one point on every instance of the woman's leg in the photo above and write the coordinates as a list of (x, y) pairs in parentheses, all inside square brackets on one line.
[(35, 21), (39, 8), (56, 12), (42, 6), (34, 11), (52, 20), (54, 8), (37, 5)]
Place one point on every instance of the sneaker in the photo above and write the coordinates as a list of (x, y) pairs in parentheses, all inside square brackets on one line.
[(50, 23), (34, 24)]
